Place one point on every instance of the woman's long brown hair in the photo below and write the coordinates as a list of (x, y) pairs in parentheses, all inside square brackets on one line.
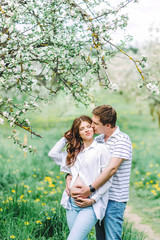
[(75, 142)]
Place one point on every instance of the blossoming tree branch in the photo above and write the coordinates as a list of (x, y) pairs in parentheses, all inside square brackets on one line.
[(51, 46)]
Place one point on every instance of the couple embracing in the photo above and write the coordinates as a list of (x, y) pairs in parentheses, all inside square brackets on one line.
[(98, 173)]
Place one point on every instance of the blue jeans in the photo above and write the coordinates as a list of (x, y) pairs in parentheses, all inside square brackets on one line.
[(111, 227), (80, 221)]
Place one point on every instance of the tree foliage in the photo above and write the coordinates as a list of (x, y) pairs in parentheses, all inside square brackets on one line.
[(48, 46)]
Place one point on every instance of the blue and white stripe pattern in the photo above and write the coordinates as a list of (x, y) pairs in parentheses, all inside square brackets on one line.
[(119, 145)]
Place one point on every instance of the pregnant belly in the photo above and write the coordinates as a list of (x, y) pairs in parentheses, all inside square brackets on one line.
[(74, 189)]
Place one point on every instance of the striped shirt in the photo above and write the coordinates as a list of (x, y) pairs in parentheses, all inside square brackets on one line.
[(119, 145)]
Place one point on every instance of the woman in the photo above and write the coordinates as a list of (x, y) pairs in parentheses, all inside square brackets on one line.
[(84, 159)]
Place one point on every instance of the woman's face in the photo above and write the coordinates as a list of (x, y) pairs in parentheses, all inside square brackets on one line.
[(86, 131)]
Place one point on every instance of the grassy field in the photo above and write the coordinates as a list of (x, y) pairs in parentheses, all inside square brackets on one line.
[(31, 186)]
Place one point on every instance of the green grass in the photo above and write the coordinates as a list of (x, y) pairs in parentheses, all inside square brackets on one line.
[(31, 185)]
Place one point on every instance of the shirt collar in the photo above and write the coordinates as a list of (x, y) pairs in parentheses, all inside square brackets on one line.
[(101, 137), (93, 145), (115, 132)]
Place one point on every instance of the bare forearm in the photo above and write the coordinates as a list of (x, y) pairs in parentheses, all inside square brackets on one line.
[(107, 173), (103, 177)]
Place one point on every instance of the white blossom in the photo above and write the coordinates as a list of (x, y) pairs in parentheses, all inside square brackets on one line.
[(153, 88), (23, 87), (5, 114), (11, 119), (2, 63), (4, 38), (114, 86), (25, 149), (1, 121), (18, 112), (11, 124), (28, 122), (2, 80)]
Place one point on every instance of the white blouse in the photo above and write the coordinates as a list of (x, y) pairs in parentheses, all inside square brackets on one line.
[(89, 164)]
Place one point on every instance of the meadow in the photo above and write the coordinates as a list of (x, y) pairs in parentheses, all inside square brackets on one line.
[(31, 185)]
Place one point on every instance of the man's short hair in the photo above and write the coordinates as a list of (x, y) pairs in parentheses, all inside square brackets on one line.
[(106, 114)]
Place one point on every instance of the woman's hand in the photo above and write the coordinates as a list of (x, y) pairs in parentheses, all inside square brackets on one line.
[(68, 181), (68, 135), (84, 202)]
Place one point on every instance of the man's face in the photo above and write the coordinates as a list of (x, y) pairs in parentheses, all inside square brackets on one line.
[(98, 127)]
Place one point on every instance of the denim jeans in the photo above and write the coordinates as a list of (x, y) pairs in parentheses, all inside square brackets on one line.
[(111, 227), (80, 221)]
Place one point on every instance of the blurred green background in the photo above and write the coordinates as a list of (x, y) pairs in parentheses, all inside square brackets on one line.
[(31, 185)]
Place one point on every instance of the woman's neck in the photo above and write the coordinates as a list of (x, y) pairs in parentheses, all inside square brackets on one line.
[(87, 143)]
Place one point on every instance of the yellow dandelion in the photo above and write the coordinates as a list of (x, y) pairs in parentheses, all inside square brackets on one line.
[(48, 218), (22, 196), (29, 191), (12, 236), (151, 165), (26, 223), (37, 200), (10, 198), (1, 209), (26, 186), (13, 191), (153, 191), (58, 177), (45, 192), (51, 185), (53, 209), (46, 214), (34, 175), (148, 173), (38, 222), (134, 145), (151, 181), (158, 175), (43, 204)]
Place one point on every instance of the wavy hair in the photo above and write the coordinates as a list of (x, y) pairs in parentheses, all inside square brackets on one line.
[(75, 142)]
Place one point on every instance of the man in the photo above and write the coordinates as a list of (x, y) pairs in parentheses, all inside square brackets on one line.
[(119, 144)]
